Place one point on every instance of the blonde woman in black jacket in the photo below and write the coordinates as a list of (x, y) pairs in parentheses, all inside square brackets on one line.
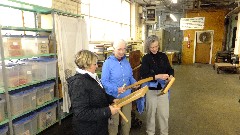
[(90, 103)]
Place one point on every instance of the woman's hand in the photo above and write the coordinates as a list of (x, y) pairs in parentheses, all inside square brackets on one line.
[(161, 76), (115, 100), (121, 90), (170, 77), (136, 87), (114, 110)]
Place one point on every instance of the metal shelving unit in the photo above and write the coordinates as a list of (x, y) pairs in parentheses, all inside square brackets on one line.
[(5, 90), (15, 4)]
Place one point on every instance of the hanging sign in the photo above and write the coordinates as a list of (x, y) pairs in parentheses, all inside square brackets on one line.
[(192, 23)]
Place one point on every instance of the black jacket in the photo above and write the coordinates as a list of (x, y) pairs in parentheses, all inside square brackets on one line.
[(90, 105), (153, 64)]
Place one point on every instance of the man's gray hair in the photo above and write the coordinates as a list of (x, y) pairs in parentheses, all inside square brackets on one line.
[(149, 41)]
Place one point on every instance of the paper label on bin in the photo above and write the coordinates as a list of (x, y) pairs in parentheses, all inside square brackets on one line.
[(34, 97), (29, 72), (51, 90)]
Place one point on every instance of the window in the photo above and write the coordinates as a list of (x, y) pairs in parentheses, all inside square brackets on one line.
[(107, 19)]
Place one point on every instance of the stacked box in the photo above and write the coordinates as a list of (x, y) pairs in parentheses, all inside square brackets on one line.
[(26, 125), (12, 46), (29, 99), (43, 69), (3, 130), (12, 74), (40, 95), (42, 45), (47, 116), (2, 110), (16, 102), (33, 97), (25, 74), (28, 45), (49, 91), (51, 67)]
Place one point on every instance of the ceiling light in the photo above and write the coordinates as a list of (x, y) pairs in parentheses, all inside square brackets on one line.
[(173, 17), (174, 1)]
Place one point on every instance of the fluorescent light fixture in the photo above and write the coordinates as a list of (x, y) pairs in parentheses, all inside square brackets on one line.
[(173, 17), (174, 1)]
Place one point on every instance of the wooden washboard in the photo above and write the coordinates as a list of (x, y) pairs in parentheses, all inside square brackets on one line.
[(167, 86)]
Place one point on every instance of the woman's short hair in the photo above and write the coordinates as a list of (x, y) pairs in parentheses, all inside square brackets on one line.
[(85, 58), (149, 41), (117, 42)]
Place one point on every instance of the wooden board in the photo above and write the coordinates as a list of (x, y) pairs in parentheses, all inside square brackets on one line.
[(130, 98), (167, 86)]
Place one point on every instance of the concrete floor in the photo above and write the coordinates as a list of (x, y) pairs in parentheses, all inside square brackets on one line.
[(202, 103)]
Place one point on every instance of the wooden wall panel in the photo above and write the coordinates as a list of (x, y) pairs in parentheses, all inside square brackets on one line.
[(214, 20)]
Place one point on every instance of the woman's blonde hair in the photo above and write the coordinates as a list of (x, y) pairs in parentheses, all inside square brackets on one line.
[(84, 59)]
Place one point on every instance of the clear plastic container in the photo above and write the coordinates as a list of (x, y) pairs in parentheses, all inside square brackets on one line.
[(26, 101), (16, 101), (12, 46), (33, 97), (40, 95), (29, 44), (43, 69), (39, 72), (12, 74), (47, 116), (42, 45), (49, 91), (2, 109), (3, 130), (26, 125), (51, 68), (25, 73)]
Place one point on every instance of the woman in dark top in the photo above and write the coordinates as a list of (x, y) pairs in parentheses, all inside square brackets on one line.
[(90, 103), (155, 64)]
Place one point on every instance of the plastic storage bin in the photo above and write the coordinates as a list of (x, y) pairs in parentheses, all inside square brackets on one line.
[(47, 116), (3, 130), (26, 125), (49, 91), (29, 99), (38, 70), (12, 74), (33, 97), (42, 45), (28, 45), (12, 46), (40, 95), (43, 69), (25, 73), (2, 109), (16, 101), (51, 68)]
